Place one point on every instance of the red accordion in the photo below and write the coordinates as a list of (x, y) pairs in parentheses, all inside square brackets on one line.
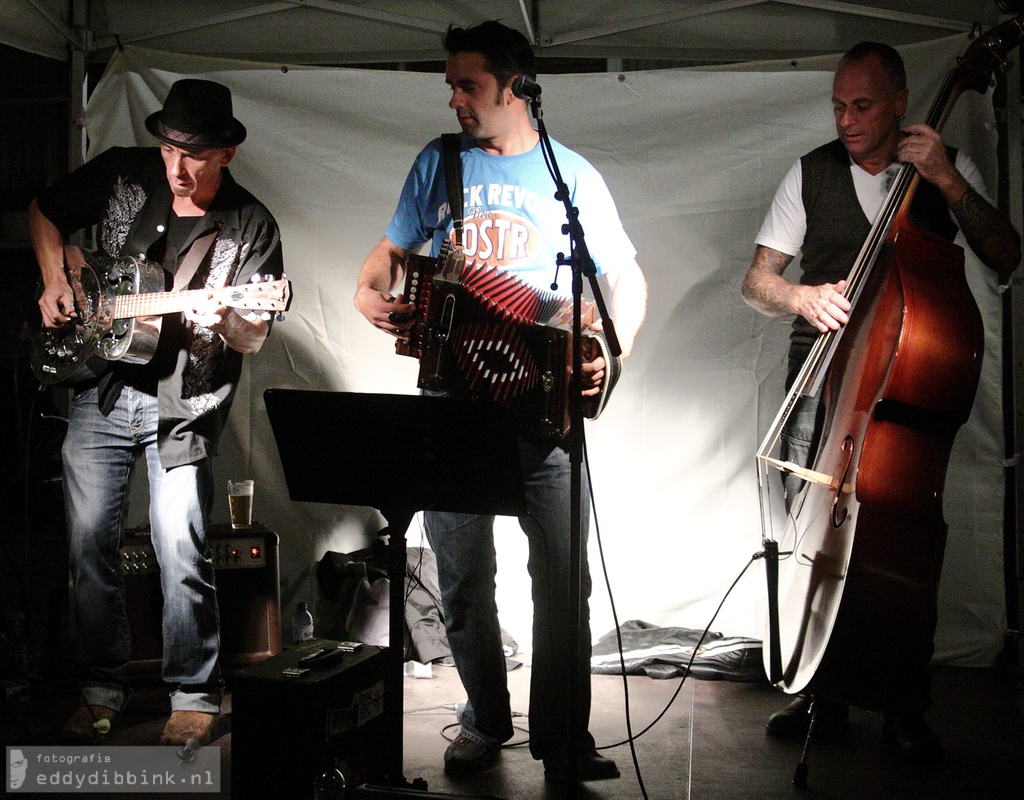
[(481, 333)]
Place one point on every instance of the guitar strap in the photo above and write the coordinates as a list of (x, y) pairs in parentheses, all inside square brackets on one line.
[(196, 253)]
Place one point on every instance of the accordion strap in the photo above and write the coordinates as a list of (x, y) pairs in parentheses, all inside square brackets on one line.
[(595, 344), (452, 147)]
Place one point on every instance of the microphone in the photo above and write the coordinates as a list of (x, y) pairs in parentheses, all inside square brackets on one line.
[(525, 88)]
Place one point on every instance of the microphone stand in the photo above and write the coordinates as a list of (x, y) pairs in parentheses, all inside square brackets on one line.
[(582, 265)]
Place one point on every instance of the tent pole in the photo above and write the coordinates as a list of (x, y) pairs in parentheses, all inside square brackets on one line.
[(1010, 198), (77, 141)]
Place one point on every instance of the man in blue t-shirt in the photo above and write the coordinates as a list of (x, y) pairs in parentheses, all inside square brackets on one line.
[(512, 223)]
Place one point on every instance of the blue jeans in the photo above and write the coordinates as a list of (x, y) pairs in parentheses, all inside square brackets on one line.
[(799, 441), (99, 453), (802, 431), (466, 567)]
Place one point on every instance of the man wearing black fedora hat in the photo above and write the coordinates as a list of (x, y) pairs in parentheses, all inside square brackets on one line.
[(179, 207)]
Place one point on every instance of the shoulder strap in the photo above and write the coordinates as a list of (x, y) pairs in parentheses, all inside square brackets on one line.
[(192, 260), (452, 146)]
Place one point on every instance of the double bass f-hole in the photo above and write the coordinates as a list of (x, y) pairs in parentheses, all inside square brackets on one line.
[(839, 515)]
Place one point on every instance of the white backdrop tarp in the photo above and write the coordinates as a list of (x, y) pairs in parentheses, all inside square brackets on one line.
[(692, 159)]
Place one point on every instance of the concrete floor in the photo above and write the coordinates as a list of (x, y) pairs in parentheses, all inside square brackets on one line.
[(710, 742)]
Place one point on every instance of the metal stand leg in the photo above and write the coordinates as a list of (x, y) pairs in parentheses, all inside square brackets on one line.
[(800, 776)]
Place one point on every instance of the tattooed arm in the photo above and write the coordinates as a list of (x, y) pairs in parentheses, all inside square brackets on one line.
[(765, 289), (987, 230)]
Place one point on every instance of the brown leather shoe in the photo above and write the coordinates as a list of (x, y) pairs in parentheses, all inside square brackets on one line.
[(185, 725), (87, 725), (465, 756)]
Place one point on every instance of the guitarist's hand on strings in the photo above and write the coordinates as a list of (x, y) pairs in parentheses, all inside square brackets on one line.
[(209, 315), (57, 305), (57, 300)]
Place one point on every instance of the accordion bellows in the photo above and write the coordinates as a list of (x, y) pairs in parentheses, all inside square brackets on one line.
[(485, 334)]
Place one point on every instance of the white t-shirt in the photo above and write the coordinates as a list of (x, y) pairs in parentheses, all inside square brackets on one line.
[(785, 224)]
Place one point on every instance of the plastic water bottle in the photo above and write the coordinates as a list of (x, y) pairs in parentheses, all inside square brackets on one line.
[(302, 623)]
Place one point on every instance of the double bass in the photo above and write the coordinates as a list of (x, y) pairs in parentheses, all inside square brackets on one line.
[(853, 577)]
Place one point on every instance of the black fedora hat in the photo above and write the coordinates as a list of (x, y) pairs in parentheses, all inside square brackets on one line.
[(197, 114)]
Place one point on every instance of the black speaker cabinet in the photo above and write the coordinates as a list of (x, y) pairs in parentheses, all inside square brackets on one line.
[(290, 732), (248, 595)]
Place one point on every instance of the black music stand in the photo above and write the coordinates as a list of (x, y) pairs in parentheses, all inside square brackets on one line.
[(399, 454)]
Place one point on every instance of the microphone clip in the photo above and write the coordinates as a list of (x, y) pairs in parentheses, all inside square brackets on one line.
[(526, 88)]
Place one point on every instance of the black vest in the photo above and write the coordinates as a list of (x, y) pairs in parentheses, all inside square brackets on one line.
[(837, 227)]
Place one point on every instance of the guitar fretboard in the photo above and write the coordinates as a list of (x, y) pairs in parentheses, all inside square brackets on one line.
[(266, 296), (154, 303)]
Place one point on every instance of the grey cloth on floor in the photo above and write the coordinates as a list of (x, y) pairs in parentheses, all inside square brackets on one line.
[(666, 652)]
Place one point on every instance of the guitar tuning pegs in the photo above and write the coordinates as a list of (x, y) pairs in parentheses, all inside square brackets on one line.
[(279, 317), (256, 278), (265, 316)]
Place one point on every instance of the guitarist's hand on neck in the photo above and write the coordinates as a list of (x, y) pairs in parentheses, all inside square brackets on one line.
[(245, 334)]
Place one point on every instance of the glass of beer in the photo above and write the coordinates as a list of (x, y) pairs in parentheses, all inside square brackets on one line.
[(240, 503)]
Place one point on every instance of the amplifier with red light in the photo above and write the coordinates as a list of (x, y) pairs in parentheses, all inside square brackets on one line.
[(248, 596)]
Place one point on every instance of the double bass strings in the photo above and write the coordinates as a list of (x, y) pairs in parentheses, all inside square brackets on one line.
[(815, 367)]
